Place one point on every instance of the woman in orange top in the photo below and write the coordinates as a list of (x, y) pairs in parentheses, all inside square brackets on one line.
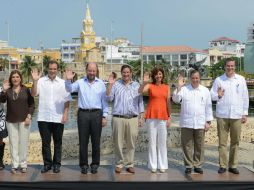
[(157, 119)]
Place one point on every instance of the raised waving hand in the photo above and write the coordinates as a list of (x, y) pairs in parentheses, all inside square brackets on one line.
[(36, 74), (69, 74), (6, 85)]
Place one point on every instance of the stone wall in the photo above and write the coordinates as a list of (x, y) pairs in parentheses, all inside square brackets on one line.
[(70, 142)]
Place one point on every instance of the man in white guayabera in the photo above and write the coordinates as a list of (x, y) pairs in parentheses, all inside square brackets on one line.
[(231, 93), (195, 118)]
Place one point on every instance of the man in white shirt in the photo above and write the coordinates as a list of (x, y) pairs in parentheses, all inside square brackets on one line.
[(52, 114), (195, 118), (231, 93)]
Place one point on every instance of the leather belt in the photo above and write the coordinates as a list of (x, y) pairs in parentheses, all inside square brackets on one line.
[(89, 110), (125, 116)]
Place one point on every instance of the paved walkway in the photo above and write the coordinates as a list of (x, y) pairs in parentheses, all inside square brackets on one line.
[(246, 157)]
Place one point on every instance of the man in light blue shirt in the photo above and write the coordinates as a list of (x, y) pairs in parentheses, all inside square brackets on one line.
[(93, 109), (127, 106)]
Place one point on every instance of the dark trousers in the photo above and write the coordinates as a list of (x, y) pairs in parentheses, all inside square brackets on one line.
[(89, 124), (48, 129)]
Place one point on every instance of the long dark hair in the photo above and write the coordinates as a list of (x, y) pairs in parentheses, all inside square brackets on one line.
[(15, 72), (155, 72)]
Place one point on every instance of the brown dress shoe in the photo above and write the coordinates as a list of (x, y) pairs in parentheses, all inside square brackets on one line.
[(130, 170), (118, 170)]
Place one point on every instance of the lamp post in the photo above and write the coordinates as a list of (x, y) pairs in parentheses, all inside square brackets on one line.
[(240, 60), (42, 65), (8, 41), (141, 55), (111, 44)]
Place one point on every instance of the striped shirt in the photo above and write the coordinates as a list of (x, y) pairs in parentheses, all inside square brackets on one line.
[(126, 99)]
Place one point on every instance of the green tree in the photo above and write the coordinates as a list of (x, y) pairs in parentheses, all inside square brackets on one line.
[(45, 62), (170, 72), (217, 69), (136, 68), (4, 63), (62, 67), (26, 67)]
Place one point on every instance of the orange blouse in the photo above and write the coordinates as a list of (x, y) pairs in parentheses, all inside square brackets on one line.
[(158, 106)]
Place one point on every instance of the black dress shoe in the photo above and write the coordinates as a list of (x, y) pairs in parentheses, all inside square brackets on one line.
[(45, 168), (84, 169), (233, 170), (56, 168), (198, 170), (222, 170), (188, 170), (94, 169)]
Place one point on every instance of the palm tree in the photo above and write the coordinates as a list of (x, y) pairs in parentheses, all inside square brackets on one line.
[(45, 62), (61, 67), (4, 63), (136, 68), (26, 67)]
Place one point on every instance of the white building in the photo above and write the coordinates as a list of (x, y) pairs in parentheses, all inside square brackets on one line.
[(122, 51), (121, 48), (174, 55), (224, 44), (3, 44), (228, 46), (68, 50), (240, 50), (249, 51)]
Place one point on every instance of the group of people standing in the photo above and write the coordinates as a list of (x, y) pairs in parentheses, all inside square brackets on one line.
[(229, 90)]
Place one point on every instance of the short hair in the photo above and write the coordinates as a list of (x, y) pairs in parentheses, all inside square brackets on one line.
[(155, 72), (126, 66), (194, 72), (13, 73), (228, 60), (51, 62), (114, 75)]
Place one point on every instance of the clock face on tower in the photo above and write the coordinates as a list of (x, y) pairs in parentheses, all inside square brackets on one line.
[(87, 40)]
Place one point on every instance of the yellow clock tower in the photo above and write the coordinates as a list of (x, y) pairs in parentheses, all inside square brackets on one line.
[(87, 37)]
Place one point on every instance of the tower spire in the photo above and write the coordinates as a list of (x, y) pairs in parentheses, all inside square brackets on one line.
[(88, 15), (87, 35)]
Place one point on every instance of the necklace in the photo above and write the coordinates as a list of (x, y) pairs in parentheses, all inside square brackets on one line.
[(15, 95)]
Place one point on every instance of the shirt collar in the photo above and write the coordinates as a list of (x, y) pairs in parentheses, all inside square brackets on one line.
[(121, 81), (191, 88), (57, 79), (225, 76), (95, 80)]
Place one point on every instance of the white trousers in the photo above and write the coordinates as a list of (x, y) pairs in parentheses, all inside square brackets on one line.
[(157, 156), (18, 140)]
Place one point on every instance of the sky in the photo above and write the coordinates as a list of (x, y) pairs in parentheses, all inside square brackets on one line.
[(165, 22)]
